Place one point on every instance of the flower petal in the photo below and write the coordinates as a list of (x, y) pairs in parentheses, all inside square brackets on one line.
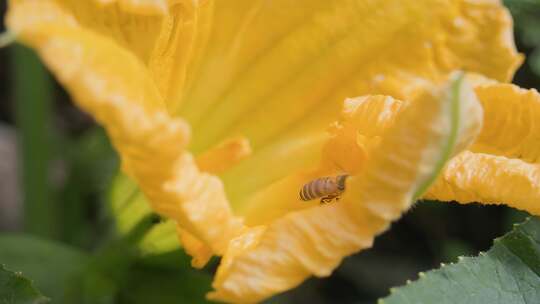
[(286, 66), (482, 38), (363, 123), (293, 60), (512, 122), (179, 47), (111, 84), (264, 261), (503, 165), (199, 251), (477, 177), (69, 50), (139, 37), (143, 7), (216, 160), (166, 36)]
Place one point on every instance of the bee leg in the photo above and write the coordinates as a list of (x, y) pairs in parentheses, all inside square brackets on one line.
[(325, 200)]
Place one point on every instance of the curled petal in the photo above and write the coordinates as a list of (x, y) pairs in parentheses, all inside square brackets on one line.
[(196, 200), (262, 262), (266, 260), (477, 177), (199, 251), (111, 84), (216, 160), (512, 122), (481, 26), (364, 121), (502, 166), (452, 118)]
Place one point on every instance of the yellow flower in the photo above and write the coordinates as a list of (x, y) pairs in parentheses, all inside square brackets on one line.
[(220, 111)]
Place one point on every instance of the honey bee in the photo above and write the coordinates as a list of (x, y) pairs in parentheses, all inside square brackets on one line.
[(327, 188)]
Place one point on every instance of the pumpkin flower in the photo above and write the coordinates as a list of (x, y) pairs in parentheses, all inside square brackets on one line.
[(222, 111)]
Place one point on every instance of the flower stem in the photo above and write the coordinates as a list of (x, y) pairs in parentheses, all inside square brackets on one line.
[(32, 102)]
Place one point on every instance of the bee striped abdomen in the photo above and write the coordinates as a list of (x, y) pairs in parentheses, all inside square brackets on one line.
[(332, 185)]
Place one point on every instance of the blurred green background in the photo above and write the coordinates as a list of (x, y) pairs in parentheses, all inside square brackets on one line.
[(56, 166)]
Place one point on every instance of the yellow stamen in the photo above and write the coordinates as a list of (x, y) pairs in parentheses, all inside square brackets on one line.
[(224, 155)]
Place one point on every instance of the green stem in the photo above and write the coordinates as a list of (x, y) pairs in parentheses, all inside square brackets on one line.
[(33, 99), (109, 266)]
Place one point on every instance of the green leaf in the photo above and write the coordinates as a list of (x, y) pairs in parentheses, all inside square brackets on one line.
[(508, 273), (51, 265), (16, 289)]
